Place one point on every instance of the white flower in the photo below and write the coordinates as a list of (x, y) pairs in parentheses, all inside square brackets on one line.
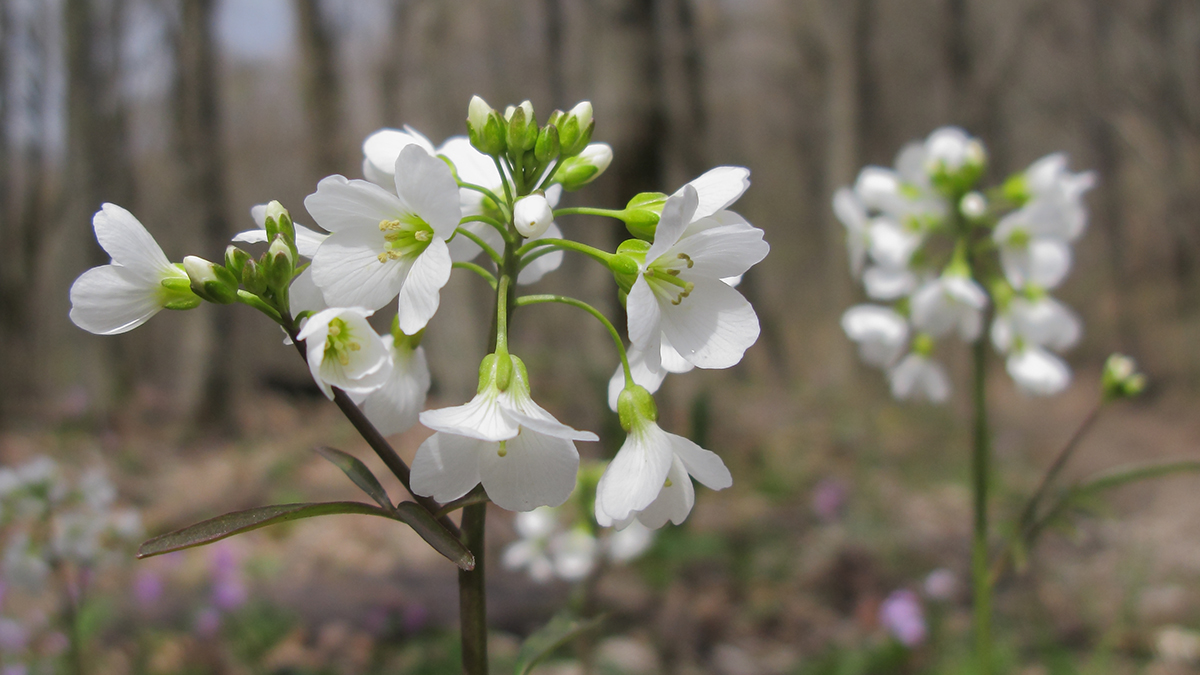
[(950, 150), (919, 377), (1025, 330), (139, 281), (383, 244), (24, 565), (344, 351), (393, 407), (650, 478), (627, 544), (307, 239), (522, 455), (546, 552), (643, 374), (382, 148), (891, 248), (881, 333), (1039, 262), (532, 215), (679, 294), (851, 212), (1037, 371), (951, 301)]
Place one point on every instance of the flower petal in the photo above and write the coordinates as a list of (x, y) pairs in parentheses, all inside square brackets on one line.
[(129, 244), (704, 465), (393, 408), (347, 269), (446, 466), (1038, 372), (381, 149), (645, 321), (420, 294), (675, 501), (676, 216), (339, 203), (713, 327), (482, 417), (636, 475), (717, 188), (545, 264), (426, 184), (723, 251), (111, 299), (536, 470)]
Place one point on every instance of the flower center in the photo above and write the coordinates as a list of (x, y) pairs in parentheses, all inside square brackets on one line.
[(339, 342), (406, 237), (663, 276)]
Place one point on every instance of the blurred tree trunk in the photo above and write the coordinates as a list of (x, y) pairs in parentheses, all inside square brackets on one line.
[(556, 64), (321, 87), (391, 71), (200, 148)]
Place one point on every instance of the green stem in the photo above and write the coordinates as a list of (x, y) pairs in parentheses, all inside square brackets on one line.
[(1030, 512), (567, 245), (589, 211), (487, 276), (484, 191), (496, 258), (538, 299), (376, 440), (545, 182), (252, 300), (502, 313), (495, 224), (980, 459), (503, 181), (472, 597)]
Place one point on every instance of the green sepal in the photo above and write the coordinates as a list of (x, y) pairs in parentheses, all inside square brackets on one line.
[(235, 260), (1016, 189), (642, 213), (279, 263), (635, 405), (547, 146), (210, 281), (630, 251), (252, 278)]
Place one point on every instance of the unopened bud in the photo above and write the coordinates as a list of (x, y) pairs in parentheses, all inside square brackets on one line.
[(485, 127), (279, 264), (642, 212), (1121, 378), (235, 260), (546, 148), (211, 282), (973, 205), (252, 277), (279, 221), (575, 129), (522, 127), (532, 215), (577, 171)]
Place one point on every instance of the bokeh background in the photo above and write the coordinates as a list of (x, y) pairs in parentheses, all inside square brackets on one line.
[(189, 112)]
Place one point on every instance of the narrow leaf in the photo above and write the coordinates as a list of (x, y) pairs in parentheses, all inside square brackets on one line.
[(358, 472), (215, 529), (1131, 474), (542, 643), (436, 535)]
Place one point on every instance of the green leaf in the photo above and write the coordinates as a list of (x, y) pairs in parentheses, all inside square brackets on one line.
[(359, 473), (1131, 474), (215, 529), (560, 630), (435, 534)]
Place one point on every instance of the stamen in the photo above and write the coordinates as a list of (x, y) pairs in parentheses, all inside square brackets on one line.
[(684, 256), (668, 483), (343, 358), (503, 451), (353, 346), (386, 225), (421, 235)]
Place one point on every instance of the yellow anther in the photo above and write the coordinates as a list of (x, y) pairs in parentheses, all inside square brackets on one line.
[(343, 358), (385, 225), (334, 331), (668, 483), (353, 346), (503, 451), (684, 256), (421, 235)]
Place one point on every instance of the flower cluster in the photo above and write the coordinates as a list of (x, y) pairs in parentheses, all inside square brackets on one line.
[(943, 255), (486, 203), (546, 550)]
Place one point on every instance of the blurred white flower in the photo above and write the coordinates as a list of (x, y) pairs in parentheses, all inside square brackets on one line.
[(919, 377), (881, 333), (950, 302)]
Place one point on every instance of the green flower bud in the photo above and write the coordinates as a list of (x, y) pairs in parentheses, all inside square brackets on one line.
[(1121, 378), (179, 292), (522, 128), (635, 405), (279, 264), (252, 277), (575, 129), (577, 171), (235, 260), (624, 264), (485, 127), (546, 148), (211, 282), (1016, 189), (279, 221), (642, 213)]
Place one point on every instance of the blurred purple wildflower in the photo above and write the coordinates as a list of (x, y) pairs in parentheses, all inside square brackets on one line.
[(828, 499), (941, 584), (902, 616), (208, 621), (147, 588), (13, 636)]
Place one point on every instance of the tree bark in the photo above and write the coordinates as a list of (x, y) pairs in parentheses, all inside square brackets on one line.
[(321, 88)]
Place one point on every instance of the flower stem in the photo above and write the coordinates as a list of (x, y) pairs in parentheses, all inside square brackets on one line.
[(491, 252), (482, 190), (980, 459), (472, 597), (502, 311), (487, 276), (567, 245), (1029, 514), (503, 181), (538, 299), (495, 224), (589, 211)]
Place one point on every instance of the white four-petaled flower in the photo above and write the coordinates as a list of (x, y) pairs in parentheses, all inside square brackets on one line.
[(136, 285), (344, 351)]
